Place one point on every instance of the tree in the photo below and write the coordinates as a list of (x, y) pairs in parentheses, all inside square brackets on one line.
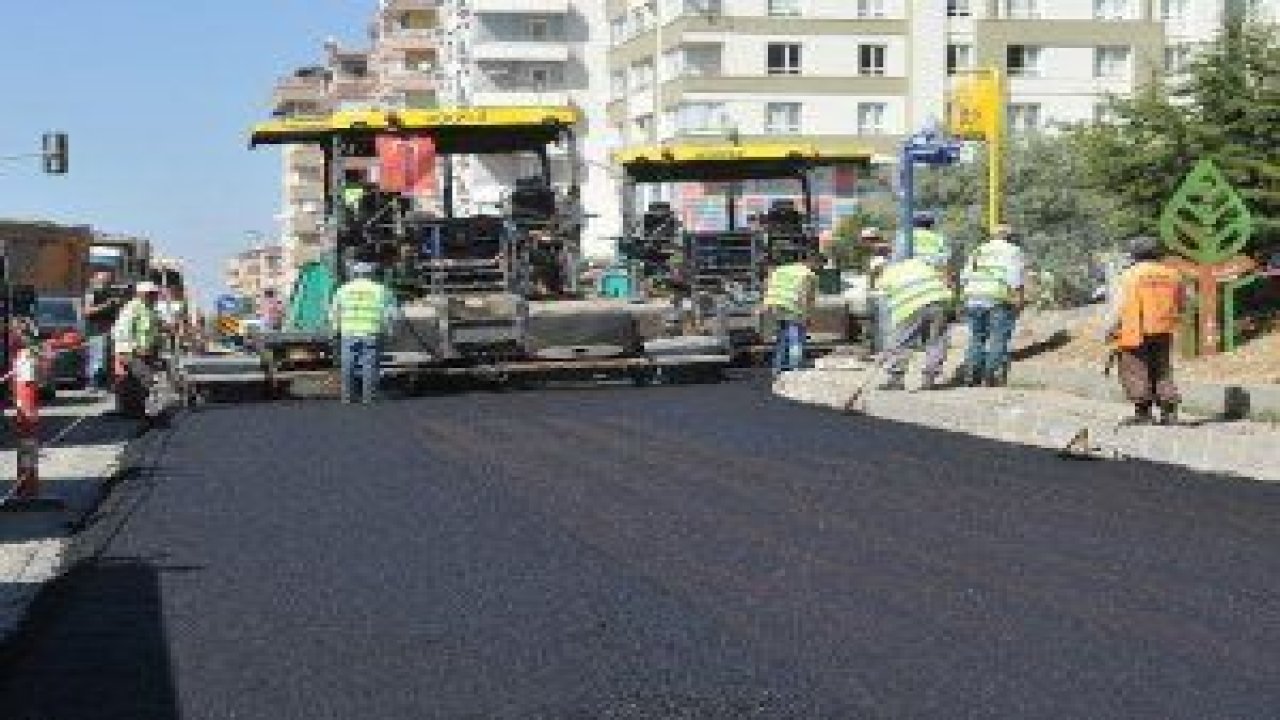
[(1066, 223), (875, 211), (1226, 109)]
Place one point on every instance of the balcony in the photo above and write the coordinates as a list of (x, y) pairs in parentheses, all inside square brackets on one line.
[(400, 6), (496, 50), (351, 88), (526, 7), (295, 90), (402, 79)]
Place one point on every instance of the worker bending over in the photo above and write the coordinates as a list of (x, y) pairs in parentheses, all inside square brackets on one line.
[(1143, 317), (790, 295), (992, 283), (136, 340), (927, 243), (919, 304), (361, 312)]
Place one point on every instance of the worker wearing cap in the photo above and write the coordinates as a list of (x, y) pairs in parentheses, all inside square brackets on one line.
[(1142, 319), (359, 315), (136, 338), (927, 243), (790, 295), (919, 305), (992, 285)]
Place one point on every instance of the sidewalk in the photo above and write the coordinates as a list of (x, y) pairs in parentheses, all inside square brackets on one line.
[(1047, 418), (37, 547)]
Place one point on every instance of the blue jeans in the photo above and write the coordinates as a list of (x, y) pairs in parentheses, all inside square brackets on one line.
[(990, 329), (788, 348), (98, 372), (359, 354)]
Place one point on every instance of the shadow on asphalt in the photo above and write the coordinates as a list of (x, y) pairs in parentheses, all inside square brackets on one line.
[(94, 646)]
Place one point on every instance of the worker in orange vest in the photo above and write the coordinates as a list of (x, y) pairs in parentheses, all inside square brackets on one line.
[(1145, 313)]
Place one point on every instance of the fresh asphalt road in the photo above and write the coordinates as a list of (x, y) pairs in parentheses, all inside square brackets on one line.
[(669, 552)]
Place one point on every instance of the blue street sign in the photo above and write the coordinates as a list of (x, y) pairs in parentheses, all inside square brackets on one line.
[(228, 304)]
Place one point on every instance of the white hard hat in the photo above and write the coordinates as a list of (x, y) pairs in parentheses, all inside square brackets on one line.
[(146, 286), (363, 269)]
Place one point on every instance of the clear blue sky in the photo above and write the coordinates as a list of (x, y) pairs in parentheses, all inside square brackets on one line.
[(157, 96)]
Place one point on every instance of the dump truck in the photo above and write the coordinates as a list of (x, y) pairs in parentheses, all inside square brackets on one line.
[(726, 269), (491, 293)]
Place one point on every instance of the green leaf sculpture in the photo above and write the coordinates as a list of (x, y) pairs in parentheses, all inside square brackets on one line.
[(1206, 220)]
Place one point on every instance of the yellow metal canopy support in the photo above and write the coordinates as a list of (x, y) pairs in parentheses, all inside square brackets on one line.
[(977, 113)]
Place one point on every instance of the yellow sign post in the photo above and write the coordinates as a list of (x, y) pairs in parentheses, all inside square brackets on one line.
[(976, 112)]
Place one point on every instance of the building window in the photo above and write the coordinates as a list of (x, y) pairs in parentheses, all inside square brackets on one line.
[(1177, 58), (1111, 62), (958, 8), (538, 29), (784, 8), (871, 8), (618, 29), (782, 118), (618, 83), (1173, 10), (700, 117), (1111, 10), (871, 59), (784, 58), (1024, 117), (871, 118), (959, 57), (1021, 9), (1103, 114), (1022, 60)]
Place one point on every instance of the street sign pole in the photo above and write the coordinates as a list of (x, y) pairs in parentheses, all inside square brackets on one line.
[(905, 247)]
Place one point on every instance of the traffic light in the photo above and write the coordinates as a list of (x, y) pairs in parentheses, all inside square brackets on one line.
[(55, 153)]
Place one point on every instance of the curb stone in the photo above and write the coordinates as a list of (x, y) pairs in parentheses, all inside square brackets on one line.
[(1050, 419), (85, 533)]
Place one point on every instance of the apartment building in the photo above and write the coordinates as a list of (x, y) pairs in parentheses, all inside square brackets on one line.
[(398, 69), (532, 52), (252, 272), (864, 73)]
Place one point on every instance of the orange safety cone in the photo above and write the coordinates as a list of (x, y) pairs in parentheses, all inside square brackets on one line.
[(26, 397)]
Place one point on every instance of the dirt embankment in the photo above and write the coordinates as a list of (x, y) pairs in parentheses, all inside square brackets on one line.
[(1255, 361)]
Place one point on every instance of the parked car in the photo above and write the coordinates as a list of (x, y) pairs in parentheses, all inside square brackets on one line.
[(60, 322)]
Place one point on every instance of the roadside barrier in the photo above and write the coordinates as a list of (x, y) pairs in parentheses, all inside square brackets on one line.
[(25, 495)]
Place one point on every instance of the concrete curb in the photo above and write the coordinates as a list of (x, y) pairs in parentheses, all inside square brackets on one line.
[(86, 530), (1050, 420)]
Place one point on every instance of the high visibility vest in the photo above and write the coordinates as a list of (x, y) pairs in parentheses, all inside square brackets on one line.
[(1150, 303), (359, 308), (930, 246), (986, 276), (788, 289), (352, 196), (137, 329), (910, 285)]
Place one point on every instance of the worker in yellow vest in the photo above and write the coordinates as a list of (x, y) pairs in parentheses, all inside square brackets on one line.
[(360, 314), (927, 243), (992, 284), (919, 305), (136, 344), (1143, 317), (790, 295)]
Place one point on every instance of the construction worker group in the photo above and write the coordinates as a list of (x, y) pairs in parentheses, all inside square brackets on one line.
[(921, 289)]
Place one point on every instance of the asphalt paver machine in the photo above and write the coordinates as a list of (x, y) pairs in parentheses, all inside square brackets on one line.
[(492, 292), (726, 269)]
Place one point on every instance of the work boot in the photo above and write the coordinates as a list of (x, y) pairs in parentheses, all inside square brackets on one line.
[(1169, 414), (973, 377), (1141, 416), (930, 382), (895, 382)]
